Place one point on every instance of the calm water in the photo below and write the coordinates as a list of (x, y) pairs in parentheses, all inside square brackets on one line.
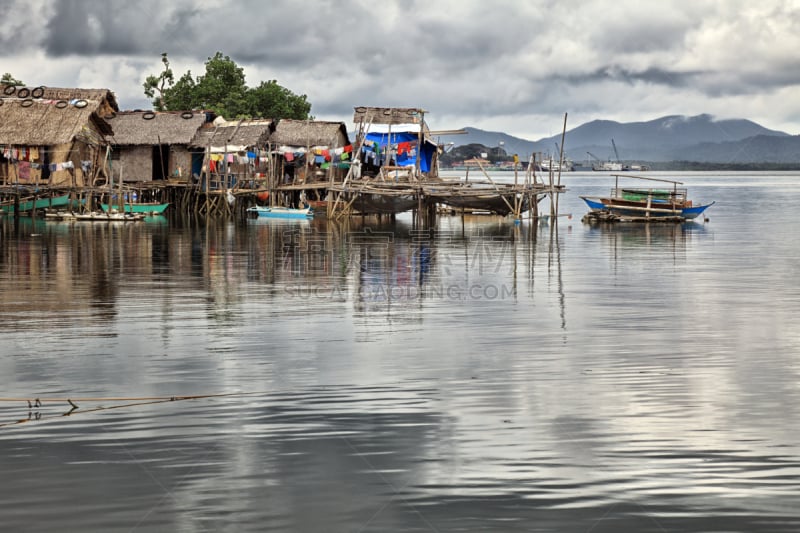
[(482, 377)]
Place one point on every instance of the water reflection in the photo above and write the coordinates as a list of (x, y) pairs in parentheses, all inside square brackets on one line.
[(480, 376), (394, 273)]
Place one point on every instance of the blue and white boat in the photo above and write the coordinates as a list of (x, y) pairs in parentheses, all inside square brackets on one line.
[(644, 204), (281, 212)]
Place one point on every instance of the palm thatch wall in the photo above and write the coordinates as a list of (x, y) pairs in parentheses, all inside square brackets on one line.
[(59, 134), (153, 145)]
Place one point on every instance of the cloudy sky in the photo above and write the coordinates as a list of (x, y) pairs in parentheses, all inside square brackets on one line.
[(508, 65)]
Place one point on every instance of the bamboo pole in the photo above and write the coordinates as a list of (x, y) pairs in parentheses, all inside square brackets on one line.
[(161, 158), (361, 138), (561, 157)]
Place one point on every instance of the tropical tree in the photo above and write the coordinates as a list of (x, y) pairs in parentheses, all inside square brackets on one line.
[(270, 100), (223, 89), (159, 83), (8, 79)]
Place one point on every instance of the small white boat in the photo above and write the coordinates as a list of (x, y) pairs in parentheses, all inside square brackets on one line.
[(95, 216)]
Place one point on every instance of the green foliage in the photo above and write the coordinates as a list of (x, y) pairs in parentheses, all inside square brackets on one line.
[(8, 79), (270, 100), (223, 89), (180, 96)]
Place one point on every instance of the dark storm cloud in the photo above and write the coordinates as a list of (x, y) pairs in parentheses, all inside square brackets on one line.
[(15, 32), (652, 75), (107, 28)]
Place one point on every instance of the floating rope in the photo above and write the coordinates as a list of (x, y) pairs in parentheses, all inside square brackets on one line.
[(71, 399), (129, 402)]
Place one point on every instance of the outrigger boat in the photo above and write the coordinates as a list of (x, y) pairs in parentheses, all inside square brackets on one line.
[(281, 212), (638, 204)]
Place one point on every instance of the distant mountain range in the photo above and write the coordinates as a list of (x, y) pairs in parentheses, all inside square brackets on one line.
[(672, 138)]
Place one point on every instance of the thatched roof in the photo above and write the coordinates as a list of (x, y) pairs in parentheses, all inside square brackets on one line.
[(309, 133), (45, 124), (59, 93), (236, 135), (388, 115), (131, 128)]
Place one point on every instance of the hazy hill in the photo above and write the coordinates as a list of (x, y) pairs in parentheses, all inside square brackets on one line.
[(758, 149), (698, 138)]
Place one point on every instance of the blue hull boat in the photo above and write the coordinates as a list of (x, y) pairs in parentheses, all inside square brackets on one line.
[(281, 212), (644, 204)]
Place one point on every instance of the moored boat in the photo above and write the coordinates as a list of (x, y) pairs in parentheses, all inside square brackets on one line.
[(644, 204), (29, 204), (95, 216), (500, 202), (153, 208), (281, 212)]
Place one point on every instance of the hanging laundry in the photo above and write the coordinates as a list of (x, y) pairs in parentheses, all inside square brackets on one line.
[(24, 171), (251, 155), (348, 148), (229, 159), (86, 166), (288, 156), (344, 157)]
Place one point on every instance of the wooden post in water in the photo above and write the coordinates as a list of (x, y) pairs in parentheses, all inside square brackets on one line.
[(561, 157), (16, 205), (208, 177), (120, 200), (33, 208)]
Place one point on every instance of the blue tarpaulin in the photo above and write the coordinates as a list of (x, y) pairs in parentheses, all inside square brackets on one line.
[(407, 158)]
